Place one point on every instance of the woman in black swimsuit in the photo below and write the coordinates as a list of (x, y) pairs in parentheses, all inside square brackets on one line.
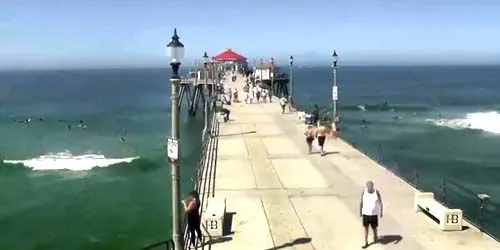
[(191, 207)]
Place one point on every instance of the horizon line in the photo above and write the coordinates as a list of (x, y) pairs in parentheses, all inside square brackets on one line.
[(167, 67)]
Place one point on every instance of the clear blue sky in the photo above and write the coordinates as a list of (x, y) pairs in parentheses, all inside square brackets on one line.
[(62, 33)]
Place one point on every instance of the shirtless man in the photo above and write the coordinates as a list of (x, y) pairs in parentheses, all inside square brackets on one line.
[(310, 133), (322, 131)]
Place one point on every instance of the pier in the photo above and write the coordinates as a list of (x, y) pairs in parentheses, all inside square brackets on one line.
[(277, 196)]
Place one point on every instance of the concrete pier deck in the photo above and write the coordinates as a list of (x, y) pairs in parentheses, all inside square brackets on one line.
[(279, 197)]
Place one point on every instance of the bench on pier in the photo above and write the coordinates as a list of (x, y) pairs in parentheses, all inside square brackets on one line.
[(449, 219), (213, 217)]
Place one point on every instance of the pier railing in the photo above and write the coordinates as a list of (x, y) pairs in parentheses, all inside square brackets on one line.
[(205, 168), (481, 212), (163, 245)]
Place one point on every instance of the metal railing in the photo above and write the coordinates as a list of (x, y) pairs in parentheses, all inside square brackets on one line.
[(163, 245), (207, 161), (477, 208), (205, 167)]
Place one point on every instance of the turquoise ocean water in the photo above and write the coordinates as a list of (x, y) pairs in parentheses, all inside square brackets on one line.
[(121, 206), (441, 121)]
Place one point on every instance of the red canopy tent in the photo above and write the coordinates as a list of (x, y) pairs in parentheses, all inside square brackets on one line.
[(229, 55)]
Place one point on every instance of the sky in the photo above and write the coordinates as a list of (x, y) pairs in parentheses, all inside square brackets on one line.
[(119, 33)]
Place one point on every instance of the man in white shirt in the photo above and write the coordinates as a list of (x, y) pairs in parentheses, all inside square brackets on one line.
[(283, 102), (263, 95), (370, 209)]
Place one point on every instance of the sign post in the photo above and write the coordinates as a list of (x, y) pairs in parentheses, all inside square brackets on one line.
[(335, 93), (173, 149)]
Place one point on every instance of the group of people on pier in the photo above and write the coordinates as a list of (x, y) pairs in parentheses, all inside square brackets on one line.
[(254, 93), (370, 208), (320, 131)]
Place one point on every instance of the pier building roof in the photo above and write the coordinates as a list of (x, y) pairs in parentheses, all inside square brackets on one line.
[(229, 55)]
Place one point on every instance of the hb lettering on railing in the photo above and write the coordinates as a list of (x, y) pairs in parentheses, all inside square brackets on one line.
[(212, 225), (451, 219)]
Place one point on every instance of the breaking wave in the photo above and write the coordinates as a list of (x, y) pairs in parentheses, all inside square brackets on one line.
[(68, 161), (486, 121)]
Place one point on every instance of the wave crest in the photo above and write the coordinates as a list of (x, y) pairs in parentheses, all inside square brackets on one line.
[(486, 121), (66, 160)]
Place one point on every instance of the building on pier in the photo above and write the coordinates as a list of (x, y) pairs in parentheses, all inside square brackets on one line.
[(270, 76), (231, 61)]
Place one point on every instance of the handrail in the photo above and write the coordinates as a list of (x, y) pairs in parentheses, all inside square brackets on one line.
[(207, 148), (207, 152), (168, 244)]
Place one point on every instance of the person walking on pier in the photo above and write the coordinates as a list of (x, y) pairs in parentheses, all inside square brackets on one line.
[(191, 207), (283, 102), (263, 95), (321, 132), (310, 132), (246, 97), (257, 94), (315, 114), (370, 209), (336, 121)]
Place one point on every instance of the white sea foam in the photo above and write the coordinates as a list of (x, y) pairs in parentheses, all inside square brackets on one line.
[(66, 160), (486, 121)]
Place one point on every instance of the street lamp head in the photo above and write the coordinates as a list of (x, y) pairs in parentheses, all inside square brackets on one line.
[(175, 49), (205, 59), (291, 60), (335, 56)]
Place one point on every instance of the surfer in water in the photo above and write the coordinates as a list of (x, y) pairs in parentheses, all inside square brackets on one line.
[(122, 138), (364, 123), (82, 124)]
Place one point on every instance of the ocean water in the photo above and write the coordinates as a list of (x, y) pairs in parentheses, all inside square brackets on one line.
[(441, 122), (437, 121), (65, 203)]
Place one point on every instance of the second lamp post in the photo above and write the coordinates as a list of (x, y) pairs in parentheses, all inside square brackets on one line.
[(291, 81), (271, 75), (205, 95), (335, 90)]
